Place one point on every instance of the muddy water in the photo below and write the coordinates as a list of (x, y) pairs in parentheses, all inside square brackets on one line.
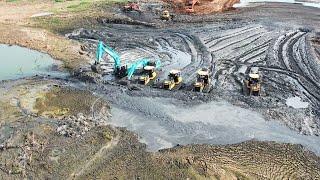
[(17, 62), (312, 3), (168, 123)]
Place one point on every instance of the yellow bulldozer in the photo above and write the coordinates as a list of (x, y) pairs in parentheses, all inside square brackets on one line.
[(166, 15), (174, 80), (149, 76), (253, 83), (203, 81)]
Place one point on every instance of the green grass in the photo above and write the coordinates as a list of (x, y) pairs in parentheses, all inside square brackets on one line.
[(82, 6), (80, 14)]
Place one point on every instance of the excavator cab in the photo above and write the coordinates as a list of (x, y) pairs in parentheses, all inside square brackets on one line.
[(121, 72), (150, 75), (203, 80), (174, 80)]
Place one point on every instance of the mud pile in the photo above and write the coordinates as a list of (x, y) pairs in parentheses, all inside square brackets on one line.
[(204, 7)]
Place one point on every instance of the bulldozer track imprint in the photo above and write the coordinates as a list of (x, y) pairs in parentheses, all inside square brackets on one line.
[(282, 56)]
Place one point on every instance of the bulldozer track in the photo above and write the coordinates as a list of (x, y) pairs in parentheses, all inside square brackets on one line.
[(284, 53)]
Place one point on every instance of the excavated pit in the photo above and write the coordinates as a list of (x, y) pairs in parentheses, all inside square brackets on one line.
[(164, 123), (228, 46)]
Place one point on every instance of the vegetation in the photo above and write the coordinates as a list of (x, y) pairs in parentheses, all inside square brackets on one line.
[(75, 14), (65, 101)]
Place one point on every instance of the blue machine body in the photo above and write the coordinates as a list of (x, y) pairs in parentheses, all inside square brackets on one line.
[(130, 69)]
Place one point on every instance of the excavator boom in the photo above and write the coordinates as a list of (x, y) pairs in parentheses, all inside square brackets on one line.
[(141, 63), (126, 70), (103, 48)]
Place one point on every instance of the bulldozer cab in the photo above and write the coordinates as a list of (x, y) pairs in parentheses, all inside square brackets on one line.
[(254, 79), (149, 70), (165, 15), (203, 76), (174, 75)]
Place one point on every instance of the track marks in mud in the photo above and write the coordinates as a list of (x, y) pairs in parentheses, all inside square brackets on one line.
[(286, 54), (293, 55), (233, 48)]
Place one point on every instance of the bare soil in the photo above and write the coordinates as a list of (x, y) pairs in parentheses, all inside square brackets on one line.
[(44, 137)]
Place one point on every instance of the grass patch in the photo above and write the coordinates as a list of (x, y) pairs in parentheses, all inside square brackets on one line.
[(75, 14), (12, 0), (82, 6), (66, 101)]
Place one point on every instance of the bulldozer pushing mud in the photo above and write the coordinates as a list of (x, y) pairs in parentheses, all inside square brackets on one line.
[(203, 82), (174, 80), (149, 77), (252, 83), (166, 16)]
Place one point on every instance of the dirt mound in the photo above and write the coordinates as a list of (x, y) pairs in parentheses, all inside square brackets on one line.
[(204, 7)]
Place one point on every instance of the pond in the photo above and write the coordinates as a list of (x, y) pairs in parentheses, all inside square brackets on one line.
[(163, 123), (18, 62)]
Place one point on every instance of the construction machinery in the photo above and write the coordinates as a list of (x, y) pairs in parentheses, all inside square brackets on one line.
[(150, 73), (132, 7), (252, 83), (190, 5), (174, 80), (120, 71), (166, 15), (203, 82)]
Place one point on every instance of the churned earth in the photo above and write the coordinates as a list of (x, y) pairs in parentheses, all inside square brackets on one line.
[(78, 126)]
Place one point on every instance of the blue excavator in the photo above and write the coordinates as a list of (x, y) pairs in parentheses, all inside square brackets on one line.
[(121, 71)]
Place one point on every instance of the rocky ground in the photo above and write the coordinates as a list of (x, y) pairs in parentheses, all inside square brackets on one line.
[(71, 139), (60, 128)]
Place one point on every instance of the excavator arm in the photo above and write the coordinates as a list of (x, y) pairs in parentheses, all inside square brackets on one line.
[(141, 63), (103, 48), (138, 64), (158, 64)]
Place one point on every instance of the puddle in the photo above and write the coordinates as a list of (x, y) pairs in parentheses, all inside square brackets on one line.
[(244, 3), (18, 62), (163, 123), (178, 60), (296, 102)]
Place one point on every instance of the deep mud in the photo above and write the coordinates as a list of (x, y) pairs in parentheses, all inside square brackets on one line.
[(281, 46), (82, 146), (35, 143)]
